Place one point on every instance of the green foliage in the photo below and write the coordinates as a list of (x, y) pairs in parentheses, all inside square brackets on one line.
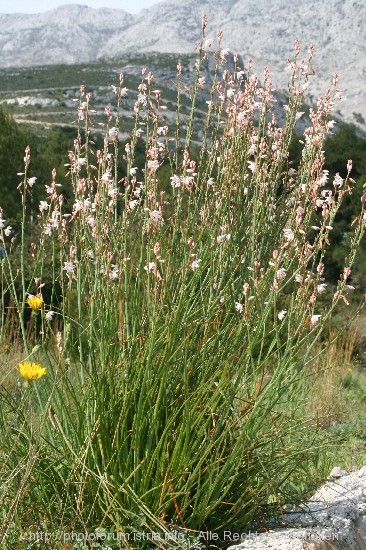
[(344, 145), (13, 141), (190, 282)]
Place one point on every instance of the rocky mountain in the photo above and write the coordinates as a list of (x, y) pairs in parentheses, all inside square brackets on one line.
[(265, 30)]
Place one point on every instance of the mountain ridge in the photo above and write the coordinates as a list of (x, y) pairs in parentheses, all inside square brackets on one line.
[(264, 30)]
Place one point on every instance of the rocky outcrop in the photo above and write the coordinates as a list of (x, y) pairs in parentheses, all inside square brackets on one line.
[(335, 517), (264, 30)]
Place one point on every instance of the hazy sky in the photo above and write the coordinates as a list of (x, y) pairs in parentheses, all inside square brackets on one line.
[(37, 6)]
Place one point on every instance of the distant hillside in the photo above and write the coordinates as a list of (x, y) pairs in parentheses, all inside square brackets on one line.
[(262, 29)]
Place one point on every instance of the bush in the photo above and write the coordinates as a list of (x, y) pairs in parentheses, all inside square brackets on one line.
[(174, 375)]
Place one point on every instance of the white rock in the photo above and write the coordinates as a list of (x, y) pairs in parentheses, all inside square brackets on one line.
[(335, 517), (337, 472)]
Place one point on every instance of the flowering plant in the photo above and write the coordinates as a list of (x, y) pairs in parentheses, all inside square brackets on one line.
[(190, 312)]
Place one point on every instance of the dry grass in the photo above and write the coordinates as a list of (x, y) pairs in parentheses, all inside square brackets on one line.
[(328, 372), (11, 350)]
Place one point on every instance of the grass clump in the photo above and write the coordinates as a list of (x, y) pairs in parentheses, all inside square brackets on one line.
[(182, 320)]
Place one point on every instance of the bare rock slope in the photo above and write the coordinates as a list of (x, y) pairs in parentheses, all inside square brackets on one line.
[(262, 29)]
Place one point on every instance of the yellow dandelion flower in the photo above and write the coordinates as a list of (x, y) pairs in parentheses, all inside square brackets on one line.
[(31, 371), (35, 302)]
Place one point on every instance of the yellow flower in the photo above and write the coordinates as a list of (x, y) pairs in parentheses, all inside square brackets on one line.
[(35, 302), (31, 371)]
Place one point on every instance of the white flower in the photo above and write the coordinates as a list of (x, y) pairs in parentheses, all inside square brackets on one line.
[(281, 273), (201, 81), (91, 254), (141, 99), (319, 203), (253, 147), (321, 288), (133, 171), (113, 274), (315, 320), (239, 307), (222, 238), (150, 266), (137, 192), (55, 219), (113, 192), (195, 264), (77, 206), (69, 267), (338, 181), (113, 134), (175, 181), (49, 315), (288, 234), (32, 181), (106, 177), (324, 178), (48, 230), (43, 205), (187, 181), (8, 231), (252, 166), (298, 278), (155, 216), (81, 114), (91, 221), (132, 204), (153, 165), (282, 314), (223, 54), (207, 43), (2, 223)]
